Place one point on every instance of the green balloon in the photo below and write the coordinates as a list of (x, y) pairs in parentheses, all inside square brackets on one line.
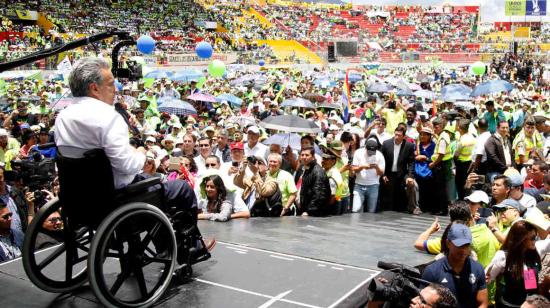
[(478, 68), (216, 68)]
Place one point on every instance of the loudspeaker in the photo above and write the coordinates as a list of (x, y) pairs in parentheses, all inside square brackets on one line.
[(515, 48), (331, 53)]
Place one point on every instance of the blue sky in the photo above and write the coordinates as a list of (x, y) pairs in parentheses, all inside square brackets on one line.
[(491, 10)]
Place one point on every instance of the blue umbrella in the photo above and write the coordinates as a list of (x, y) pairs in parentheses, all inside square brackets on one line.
[(404, 92), (324, 83), (455, 96), (298, 102), (493, 86), (178, 107), (158, 74), (232, 99), (284, 140), (352, 77), (379, 87), (456, 88), (425, 94), (186, 76)]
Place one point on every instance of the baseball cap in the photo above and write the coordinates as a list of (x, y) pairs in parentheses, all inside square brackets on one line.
[(516, 179), (328, 155), (371, 146), (151, 139), (478, 196), (253, 129), (511, 203), (236, 146), (427, 130), (459, 235)]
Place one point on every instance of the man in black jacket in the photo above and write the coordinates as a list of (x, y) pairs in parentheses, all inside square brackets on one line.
[(399, 173), (314, 186), (498, 149)]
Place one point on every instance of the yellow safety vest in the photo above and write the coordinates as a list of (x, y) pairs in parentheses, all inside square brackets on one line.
[(535, 142), (467, 143), (337, 177), (448, 155)]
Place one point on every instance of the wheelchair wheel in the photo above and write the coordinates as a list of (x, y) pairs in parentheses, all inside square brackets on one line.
[(61, 267), (132, 256)]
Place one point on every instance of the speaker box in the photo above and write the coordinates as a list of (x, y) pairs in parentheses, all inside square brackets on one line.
[(331, 53)]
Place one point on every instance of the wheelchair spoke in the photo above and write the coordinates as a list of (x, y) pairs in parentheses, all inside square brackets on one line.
[(52, 257), (119, 280), (150, 235), (156, 260), (138, 272)]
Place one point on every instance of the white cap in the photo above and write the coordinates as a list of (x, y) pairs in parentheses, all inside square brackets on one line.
[(478, 196), (333, 127), (253, 129), (3, 132), (150, 139)]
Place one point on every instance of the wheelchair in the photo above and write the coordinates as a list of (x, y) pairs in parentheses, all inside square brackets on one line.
[(127, 243)]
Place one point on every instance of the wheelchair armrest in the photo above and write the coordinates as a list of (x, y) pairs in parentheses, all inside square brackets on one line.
[(139, 186)]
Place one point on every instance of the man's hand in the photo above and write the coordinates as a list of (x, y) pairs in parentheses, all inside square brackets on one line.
[(385, 179), (431, 165), (492, 222), (284, 211), (409, 182), (435, 227), (29, 196)]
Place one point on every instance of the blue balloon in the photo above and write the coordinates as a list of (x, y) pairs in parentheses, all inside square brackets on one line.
[(261, 63), (204, 50), (146, 44)]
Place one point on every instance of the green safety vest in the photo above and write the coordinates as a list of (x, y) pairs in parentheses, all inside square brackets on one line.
[(448, 153), (467, 142), (337, 177)]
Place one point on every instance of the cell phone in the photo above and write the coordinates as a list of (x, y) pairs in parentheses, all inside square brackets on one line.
[(235, 164), (480, 179), (485, 212)]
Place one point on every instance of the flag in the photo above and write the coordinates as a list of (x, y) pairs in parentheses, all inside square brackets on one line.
[(281, 91), (346, 99), (64, 68)]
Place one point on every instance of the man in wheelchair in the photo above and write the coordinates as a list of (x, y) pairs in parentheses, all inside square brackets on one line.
[(92, 124)]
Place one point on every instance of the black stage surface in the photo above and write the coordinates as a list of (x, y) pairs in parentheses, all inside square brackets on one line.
[(263, 262)]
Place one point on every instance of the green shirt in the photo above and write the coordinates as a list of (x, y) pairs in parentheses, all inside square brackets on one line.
[(286, 184)]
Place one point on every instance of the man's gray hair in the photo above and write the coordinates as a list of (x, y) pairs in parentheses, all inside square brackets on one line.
[(85, 72), (538, 301), (276, 156)]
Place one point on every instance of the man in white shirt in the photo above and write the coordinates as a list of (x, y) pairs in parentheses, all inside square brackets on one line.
[(479, 156), (253, 147), (91, 122), (368, 165)]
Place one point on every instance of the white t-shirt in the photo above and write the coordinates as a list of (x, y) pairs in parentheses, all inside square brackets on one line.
[(368, 176), (480, 147), (259, 149)]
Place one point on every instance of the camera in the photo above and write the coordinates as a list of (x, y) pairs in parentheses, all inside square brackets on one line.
[(252, 160), (403, 284), (36, 173)]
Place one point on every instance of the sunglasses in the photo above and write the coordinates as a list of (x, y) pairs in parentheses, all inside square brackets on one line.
[(55, 219), (7, 216), (210, 165), (204, 145)]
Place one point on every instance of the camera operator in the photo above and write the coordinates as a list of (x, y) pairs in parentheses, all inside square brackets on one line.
[(457, 271)]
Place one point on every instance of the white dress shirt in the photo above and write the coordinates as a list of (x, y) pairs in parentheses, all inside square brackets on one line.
[(92, 124), (396, 149)]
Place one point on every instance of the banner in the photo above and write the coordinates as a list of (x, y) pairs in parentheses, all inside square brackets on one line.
[(191, 59), (525, 8), (27, 15)]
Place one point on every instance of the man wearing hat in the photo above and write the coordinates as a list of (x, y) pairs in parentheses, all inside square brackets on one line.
[(509, 211), (253, 147), (368, 165), (335, 181), (457, 271)]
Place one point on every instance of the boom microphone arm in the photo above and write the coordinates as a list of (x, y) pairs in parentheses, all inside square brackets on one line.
[(69, 46)]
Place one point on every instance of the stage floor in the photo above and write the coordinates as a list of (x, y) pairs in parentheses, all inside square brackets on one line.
[(263, 262)]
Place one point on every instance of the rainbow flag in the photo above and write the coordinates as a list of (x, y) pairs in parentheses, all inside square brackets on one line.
[(346, 99)]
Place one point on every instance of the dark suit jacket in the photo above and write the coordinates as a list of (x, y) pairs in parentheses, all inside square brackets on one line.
[(496, 162), (405, 160)]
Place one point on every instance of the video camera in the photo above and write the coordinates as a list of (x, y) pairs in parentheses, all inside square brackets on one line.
[(36, 172), (403, 284)]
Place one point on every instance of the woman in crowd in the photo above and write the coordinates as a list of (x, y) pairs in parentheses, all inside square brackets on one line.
[(424, 151), (214, 204), (516, 265)]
